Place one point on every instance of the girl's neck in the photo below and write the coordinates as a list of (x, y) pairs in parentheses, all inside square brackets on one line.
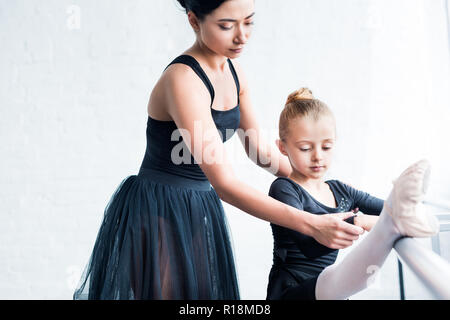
[(307, 183)]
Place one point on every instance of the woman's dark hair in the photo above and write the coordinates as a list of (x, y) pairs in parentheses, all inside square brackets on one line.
[(201, 8)]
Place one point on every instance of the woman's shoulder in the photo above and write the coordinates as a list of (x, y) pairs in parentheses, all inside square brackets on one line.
[(178, 73), (180, 80), (240, 74), (177, 82)]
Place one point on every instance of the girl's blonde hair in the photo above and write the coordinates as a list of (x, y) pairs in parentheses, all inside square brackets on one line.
[(299, 104)]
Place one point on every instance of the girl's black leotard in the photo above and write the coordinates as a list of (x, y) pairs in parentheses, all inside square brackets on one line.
[(298, 259)]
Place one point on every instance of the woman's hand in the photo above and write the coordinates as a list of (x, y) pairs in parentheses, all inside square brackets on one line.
[(331, 231)]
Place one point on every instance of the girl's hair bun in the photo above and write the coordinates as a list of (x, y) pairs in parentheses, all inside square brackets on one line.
[(300, 94)]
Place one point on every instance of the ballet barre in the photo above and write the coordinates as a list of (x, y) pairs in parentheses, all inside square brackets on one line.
[(430, 268)]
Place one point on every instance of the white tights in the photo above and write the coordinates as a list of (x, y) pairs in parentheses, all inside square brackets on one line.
[(351, 275)]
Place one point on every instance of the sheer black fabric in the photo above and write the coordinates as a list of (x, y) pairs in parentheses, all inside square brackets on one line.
[(159, 241)]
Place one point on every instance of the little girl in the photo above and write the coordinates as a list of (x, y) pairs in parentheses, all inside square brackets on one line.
[(302, 267)]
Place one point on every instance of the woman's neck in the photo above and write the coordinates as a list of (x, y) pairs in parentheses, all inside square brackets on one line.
[(208, 57)]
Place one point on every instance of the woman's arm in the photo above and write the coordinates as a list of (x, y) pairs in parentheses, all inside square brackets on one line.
[(188, 105), (258, 150)]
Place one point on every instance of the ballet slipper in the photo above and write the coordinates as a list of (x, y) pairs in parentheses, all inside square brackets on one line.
[(405, 206)]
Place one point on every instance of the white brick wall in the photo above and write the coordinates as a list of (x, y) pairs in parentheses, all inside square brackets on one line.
[(75, 77)]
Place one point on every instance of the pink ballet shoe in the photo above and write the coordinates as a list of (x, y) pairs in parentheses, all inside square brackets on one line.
[(405, 206)]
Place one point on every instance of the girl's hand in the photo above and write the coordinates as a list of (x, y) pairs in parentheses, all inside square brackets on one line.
[(365, 221), (331, 231)]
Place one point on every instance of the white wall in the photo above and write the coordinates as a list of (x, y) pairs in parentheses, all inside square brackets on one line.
[(75, 80)]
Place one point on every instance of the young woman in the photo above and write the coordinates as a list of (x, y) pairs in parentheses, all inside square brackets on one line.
[(302, 267), (164, 233)]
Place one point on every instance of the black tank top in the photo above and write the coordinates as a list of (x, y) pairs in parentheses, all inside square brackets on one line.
[(159, 133)]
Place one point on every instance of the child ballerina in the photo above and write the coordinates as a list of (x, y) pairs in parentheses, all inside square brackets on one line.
[(302, 267)]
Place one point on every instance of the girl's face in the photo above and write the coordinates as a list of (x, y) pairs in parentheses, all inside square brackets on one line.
[(309, 146), (227, 29)]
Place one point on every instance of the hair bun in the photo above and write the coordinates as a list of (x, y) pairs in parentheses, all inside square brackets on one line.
[(183, 3), (300, 94)]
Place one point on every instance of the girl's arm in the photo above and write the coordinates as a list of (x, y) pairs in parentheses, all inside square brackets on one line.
[(370, 206), (188, 104), (365, 221), (258, 150), (365, 202)]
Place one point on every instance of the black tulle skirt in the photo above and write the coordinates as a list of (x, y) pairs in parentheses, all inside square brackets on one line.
[(162, 237)]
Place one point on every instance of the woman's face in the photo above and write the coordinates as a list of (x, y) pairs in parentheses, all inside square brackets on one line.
[(227, 29)]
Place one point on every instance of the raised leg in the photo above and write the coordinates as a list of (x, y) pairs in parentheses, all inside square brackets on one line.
[(403, 215)]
